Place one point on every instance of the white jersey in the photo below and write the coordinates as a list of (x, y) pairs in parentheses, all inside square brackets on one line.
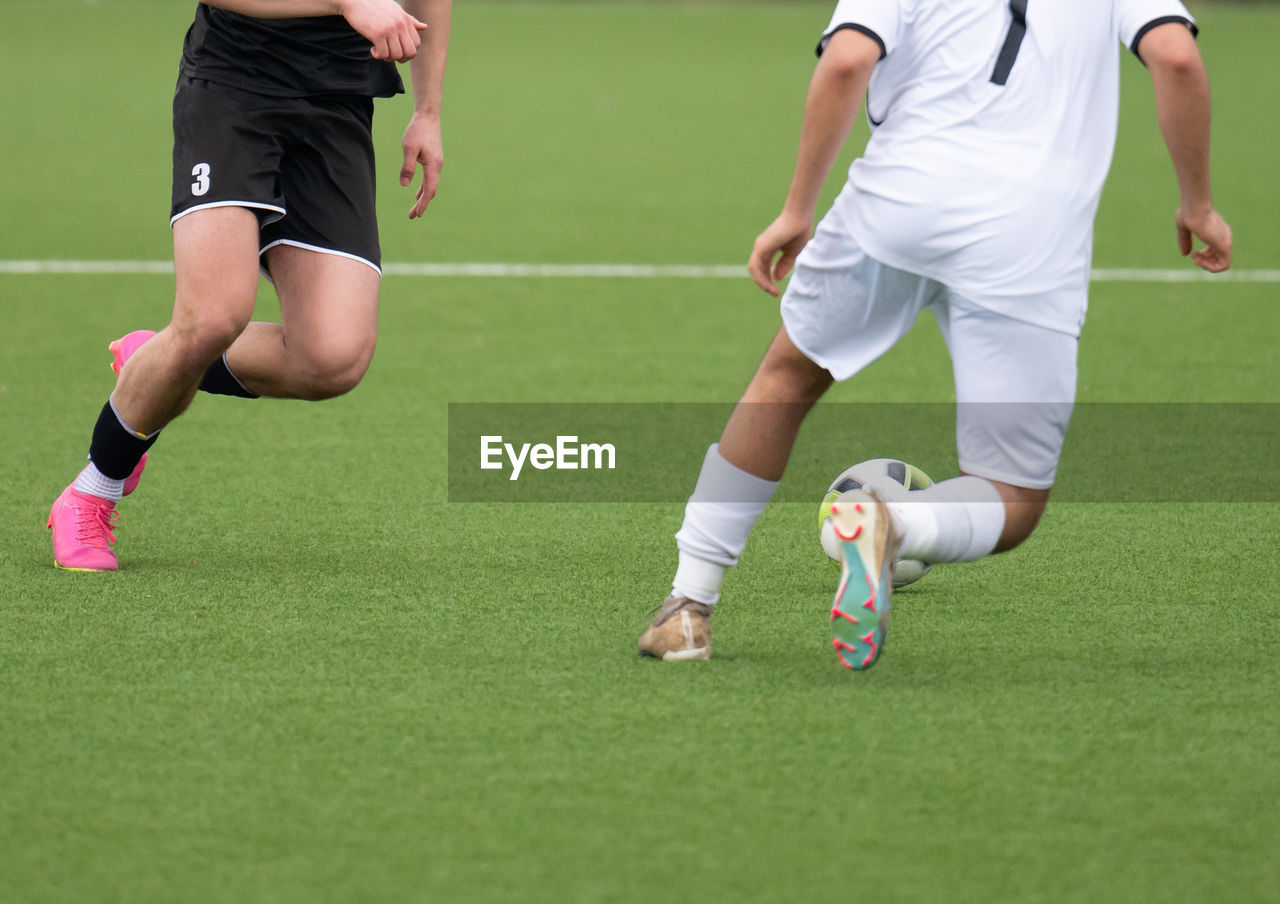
[(993, 124)]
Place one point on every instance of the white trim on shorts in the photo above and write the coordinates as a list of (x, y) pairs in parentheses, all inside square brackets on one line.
[(296, 244), (254, 205)]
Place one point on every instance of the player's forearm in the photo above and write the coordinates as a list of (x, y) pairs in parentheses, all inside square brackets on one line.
[(427, 68), (831, 106), (1182, 109)]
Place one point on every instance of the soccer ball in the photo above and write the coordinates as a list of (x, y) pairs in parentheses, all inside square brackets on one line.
[(894, 479)]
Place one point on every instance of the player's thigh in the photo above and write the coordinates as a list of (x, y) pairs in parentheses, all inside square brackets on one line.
[(328, 305), (843, 309), (215, 258), (1015, 389), (324, 255), (227, 150)]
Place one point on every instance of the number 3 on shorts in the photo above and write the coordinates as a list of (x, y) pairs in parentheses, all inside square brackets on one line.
[(1012, 42), (201, 185)]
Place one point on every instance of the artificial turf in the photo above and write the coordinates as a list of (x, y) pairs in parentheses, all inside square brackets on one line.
[(317, 679)]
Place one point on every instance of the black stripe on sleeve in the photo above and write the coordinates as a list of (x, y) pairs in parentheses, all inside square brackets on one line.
[(1163, 20), (822, 45)]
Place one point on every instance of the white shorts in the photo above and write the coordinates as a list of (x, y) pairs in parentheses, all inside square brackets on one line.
[(1015, 381)]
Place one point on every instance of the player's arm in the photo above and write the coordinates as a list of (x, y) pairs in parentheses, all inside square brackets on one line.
[(1182, 109), (422, 143), (831, 106), (392, 31)]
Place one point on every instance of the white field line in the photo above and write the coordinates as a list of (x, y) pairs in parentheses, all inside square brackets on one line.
[(607, 271)]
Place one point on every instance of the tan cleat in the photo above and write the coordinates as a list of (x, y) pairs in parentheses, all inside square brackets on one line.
[(681, 630)]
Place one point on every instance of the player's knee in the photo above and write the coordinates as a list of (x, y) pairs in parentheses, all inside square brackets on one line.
[(794, 378), (330, 385), (334, 374), (203, 336), (1020, 519)]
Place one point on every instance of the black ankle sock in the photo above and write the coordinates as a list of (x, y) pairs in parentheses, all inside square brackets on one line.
[(219, 380), (114, 450)]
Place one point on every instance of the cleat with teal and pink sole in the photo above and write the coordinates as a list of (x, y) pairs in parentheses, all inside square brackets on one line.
[(868, 542)]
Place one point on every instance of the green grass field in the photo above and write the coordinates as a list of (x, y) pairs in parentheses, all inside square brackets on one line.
[(315, 679)]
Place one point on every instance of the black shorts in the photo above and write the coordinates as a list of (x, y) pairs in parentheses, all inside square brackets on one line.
[(304, 165)]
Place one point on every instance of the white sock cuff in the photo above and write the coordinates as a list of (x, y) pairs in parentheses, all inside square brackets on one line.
[(95, 483), (698, 579), (917, 524), (721, 481), (986, 515)]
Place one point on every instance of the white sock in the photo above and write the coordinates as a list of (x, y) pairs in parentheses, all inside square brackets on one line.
[(957, 520), (724, 507), (698, 579), (95, 483)]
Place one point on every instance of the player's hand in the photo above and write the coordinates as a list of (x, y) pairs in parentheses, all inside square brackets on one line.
[(1209, 228), (782, 240), (394, 33), (422, 147)]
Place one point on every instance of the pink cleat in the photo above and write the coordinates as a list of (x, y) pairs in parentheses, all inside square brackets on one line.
[(124, 347), (121, 351), (82, 531), (131, 482)]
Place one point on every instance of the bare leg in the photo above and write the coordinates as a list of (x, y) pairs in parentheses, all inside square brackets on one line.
[(762, 429), (323, 347), (1022, 511), (215, 255), (740, 474)]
